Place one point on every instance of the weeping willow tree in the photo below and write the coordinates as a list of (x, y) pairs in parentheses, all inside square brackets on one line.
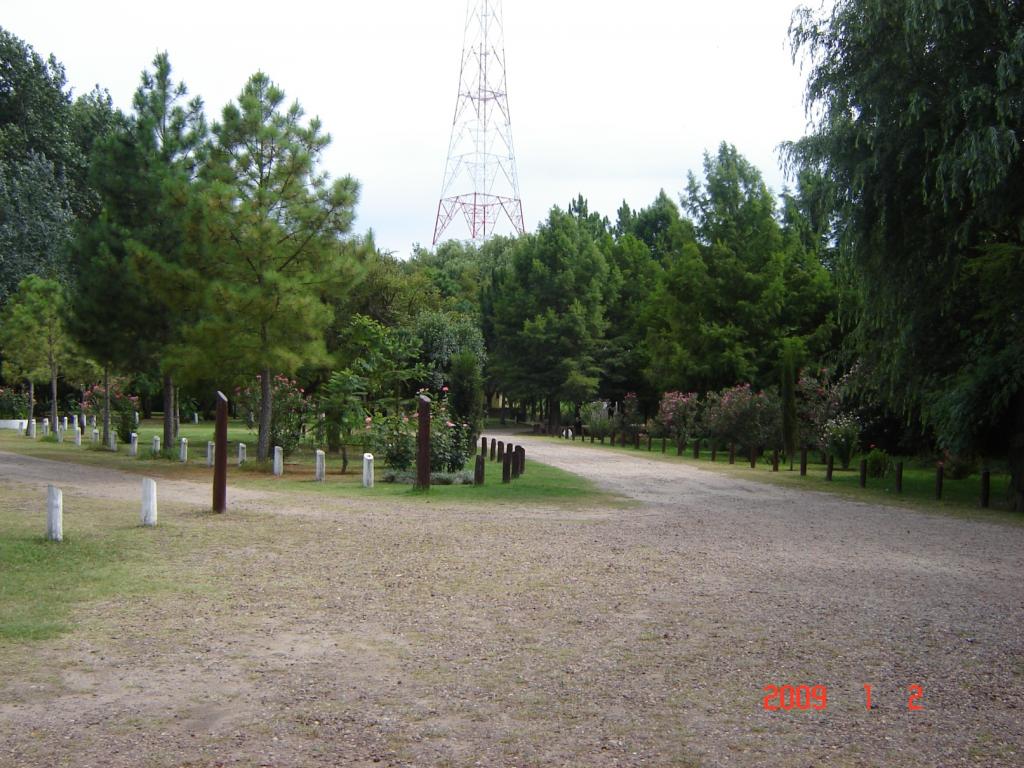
[(917, 114)]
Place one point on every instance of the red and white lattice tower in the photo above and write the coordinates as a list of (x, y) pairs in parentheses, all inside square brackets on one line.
[(480, 178)]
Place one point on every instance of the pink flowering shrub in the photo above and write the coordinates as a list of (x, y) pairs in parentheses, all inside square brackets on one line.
[(818, 399), (742, 416), (677, 415), (122, 407)]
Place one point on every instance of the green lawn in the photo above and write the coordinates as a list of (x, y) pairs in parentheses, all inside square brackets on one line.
[(105, 554), (540, 483)]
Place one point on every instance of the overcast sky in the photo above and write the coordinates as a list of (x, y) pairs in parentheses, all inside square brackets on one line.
[(614, 100)]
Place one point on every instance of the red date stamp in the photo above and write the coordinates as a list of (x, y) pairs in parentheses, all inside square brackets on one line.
[(805, 697)]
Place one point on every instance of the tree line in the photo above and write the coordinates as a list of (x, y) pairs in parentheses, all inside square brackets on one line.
[(195, 254)]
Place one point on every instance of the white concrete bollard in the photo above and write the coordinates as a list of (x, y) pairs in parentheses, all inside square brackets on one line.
[(155, 447), (32, 428), (209, 454), (54, 513), (321, 467), (112, 441), (46, 427), (136, 418), (148, 501), (78, 436), (92, 421), (367, 470), (95, 435), (183, 451), (133, 446), (64, 424), (278, 460), (60, 435), (241, 454), (195, 418)]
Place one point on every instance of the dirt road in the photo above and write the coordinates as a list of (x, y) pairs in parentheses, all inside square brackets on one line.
[(404, 634)]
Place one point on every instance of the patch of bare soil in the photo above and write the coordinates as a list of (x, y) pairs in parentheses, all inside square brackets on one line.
[(394, 633)]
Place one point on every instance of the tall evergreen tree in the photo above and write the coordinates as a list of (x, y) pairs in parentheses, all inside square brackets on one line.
[(273, 249), (128, 302)]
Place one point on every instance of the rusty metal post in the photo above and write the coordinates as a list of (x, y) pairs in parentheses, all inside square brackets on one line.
[(220, 455), (423, 445)]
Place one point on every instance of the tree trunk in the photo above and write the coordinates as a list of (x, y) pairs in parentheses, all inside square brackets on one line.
[(554, 415), (177, 411), (168, 411), (31, 402), (266, 414), (53, 396), (106, 405)]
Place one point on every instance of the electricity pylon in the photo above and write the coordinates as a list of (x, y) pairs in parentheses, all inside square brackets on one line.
[(480, 178)]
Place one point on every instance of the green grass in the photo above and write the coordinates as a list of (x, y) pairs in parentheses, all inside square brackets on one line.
[(103, 555), (540, 483), (960, 497)]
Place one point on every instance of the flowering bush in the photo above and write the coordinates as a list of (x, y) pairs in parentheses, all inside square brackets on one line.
[(392, 439), (289, 410), (677, 415), (122, 407), (840, 436), (745, 417), (818, 399), (451, 441), (13, 405)]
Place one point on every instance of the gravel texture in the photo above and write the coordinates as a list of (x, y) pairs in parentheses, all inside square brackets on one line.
[(350, 632)]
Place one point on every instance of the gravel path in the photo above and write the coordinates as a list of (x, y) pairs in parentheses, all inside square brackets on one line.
[(401, 633)]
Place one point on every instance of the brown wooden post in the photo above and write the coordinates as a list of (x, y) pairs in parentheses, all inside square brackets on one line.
[(714, 450), (939, 468), (220, 456), (899, 477), (494, 444), (506, 467), (775, 460), (501, 450), (521, 454), (803, 460), (696, 448), (423, 445), (478, 471), (986, 487), (664, 442), (753, 458), (344, 459), (732, 453), (828, 468), (863, 473), (515, 462), (483, 445)]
